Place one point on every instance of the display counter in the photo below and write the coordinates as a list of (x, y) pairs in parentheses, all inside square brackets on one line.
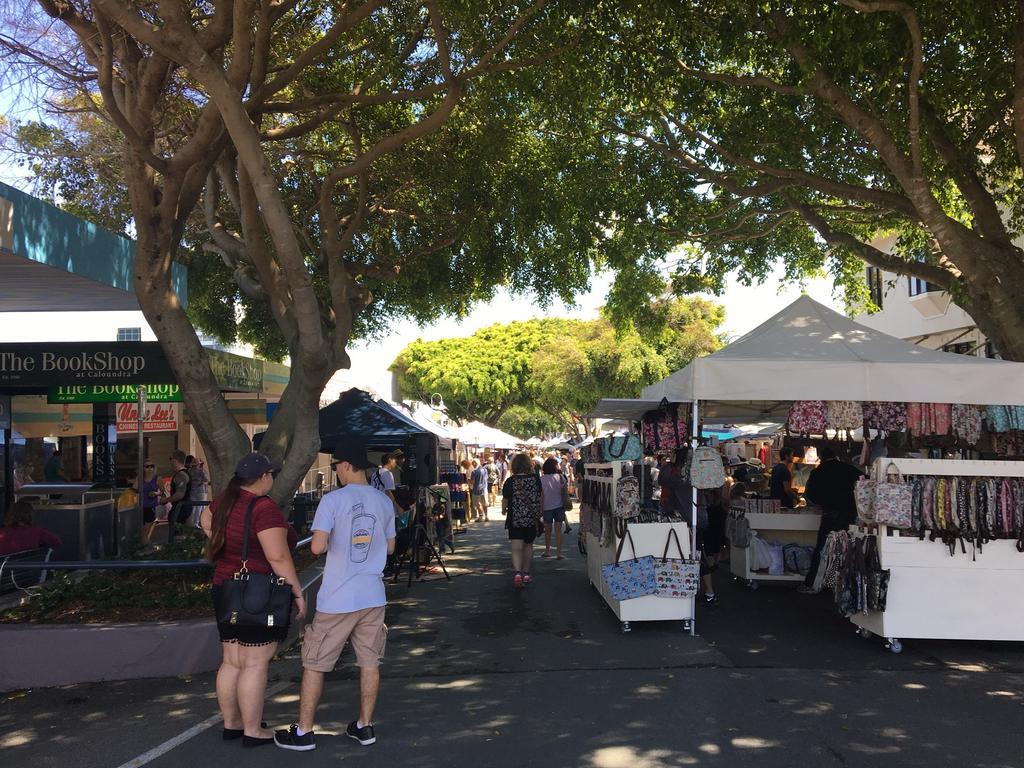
[(649, 539), (933, 594), (785, 527)]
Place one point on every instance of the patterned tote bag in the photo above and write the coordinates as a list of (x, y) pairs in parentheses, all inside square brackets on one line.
[(627, 579), (893, 500), (676, 578)]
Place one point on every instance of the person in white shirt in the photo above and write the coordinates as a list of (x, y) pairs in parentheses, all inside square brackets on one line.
[(383, 479), (355, 526)]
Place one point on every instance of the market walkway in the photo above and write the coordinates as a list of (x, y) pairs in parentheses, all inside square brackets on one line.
[(481, 675)]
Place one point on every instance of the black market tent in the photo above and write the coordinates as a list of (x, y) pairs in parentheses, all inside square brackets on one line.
[(358, 414)]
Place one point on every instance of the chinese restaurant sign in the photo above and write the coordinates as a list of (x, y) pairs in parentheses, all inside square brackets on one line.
[(158, 417)]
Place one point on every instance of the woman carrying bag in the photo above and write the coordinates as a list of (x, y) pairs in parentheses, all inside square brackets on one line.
[(239, 562)]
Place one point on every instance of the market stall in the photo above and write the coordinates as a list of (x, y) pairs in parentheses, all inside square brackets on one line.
[(810, 354), (660, 582)]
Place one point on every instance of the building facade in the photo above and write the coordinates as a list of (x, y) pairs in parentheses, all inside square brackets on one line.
[(921, 313)]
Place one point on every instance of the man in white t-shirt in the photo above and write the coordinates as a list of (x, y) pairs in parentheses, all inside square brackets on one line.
[(355, 526)]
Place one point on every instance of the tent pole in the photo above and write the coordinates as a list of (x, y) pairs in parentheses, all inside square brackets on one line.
[(693, 521)]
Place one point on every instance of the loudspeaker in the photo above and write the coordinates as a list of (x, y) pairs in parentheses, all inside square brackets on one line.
[(425, 456)]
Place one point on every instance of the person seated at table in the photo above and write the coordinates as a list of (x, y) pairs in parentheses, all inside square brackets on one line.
[(19, 534)]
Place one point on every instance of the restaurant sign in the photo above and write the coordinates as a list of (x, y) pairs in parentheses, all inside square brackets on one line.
[(113, 393), (44, 365), (158, 417)]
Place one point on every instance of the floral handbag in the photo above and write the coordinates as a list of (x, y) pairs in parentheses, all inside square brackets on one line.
[(893, 500), (676, 578), (663, 431), (844, 415), (966, 423), (628, 579), (807, 417), (891, 417), (864, 496)]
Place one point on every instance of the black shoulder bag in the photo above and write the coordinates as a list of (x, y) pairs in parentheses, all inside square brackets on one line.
[(254, 599)]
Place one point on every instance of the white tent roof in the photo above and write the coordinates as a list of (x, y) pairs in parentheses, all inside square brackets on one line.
[(810, 352), (477, 433)]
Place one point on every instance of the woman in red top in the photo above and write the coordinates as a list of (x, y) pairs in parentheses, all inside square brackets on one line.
[(19, 533), (242, 678)]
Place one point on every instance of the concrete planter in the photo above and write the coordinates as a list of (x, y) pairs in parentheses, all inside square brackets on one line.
[(39, 656)]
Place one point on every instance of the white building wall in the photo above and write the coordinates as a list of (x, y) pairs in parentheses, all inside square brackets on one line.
[(930, 319)]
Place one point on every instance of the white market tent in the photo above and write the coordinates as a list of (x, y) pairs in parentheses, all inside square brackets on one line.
[(810, 352), (479, 434)]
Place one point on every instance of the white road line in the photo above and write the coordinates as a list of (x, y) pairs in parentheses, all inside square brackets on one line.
[(195, 730)]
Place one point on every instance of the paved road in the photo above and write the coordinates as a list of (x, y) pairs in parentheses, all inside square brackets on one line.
[(478, 674)]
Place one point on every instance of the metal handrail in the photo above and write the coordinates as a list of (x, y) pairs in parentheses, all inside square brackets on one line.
[(121, 565)]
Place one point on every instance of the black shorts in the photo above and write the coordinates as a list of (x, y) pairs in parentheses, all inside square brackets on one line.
[(246, 635), (527, 534), (148, 514)]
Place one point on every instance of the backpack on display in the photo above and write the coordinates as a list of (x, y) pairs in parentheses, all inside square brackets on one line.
[(627, 498), (663, 431), (622, 448), (706, 469)]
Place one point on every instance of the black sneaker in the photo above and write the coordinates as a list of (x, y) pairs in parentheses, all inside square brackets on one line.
[(290, 739), (710, 599), (363, 735)]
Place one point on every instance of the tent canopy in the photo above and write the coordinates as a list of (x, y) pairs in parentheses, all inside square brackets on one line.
[(477, 433), (810, 352), (357, 414)]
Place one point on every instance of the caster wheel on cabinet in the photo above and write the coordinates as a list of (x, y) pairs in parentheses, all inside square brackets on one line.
[(626, 628), (894, 645), (751, 584), (686, 625), (867, 634)]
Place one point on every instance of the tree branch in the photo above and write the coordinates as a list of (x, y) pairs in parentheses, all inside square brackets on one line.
[(913, 24)]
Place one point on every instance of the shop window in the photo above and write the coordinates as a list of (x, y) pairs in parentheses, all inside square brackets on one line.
[(919, 286), (876, 286), (129, 334), (960, 348)]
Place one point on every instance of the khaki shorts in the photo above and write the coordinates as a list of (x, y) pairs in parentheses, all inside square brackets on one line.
[(326, 637)]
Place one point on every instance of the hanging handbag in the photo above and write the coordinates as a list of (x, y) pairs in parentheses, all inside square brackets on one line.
[(621, 448), (254, 599), (864, 496), (844, 415), (676, 578), (566, 499), (628, 579), (807, 417), (662, 430), (893, 500)]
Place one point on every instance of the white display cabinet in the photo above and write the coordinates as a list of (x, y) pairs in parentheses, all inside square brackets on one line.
[(649, 539), (938, 596)]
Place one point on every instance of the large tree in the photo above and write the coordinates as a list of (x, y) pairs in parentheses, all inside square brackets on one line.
[(807, 130), (325, 166), (551, 372)]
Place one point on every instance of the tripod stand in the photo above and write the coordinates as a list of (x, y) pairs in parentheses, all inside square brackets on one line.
[(419, 540)]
